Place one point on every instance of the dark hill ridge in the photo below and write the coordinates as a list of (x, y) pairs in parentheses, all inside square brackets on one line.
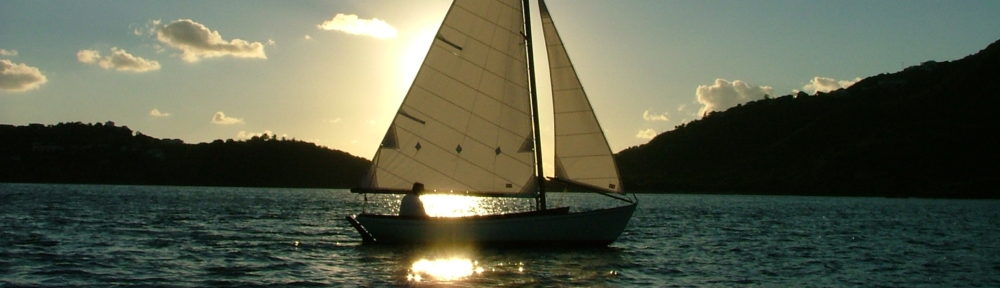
[(927, 131), (109, 154)]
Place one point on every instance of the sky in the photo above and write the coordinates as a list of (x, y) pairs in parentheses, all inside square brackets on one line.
[(335, 72)]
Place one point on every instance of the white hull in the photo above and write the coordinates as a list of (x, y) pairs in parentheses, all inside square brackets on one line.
[(598, 227)]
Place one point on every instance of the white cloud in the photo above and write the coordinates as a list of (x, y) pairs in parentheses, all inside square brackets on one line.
[(197, 42), (18, 77), (351, 24), (307, 37), (221, 119), (825, 84), (156, 113), (5, 52), (334, 121), (646, 134), (724, 94), (655, 117), (119, 60)]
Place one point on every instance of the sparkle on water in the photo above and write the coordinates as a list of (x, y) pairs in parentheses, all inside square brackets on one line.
[(153, 236), (442, 205), (443, 269), (456, 268)]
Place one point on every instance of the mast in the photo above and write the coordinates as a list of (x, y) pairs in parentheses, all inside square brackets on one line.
[(539, 173)]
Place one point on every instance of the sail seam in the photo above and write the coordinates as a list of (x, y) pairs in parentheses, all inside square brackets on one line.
[(504, 53), (509, 57), (567, 89), (472, 88), (461, 108), (445, 175), (488, 20), (574, 111), (460, 132), (563, 70), (577, 134)]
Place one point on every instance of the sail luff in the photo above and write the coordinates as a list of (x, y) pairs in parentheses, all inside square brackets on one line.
[(582, 153)]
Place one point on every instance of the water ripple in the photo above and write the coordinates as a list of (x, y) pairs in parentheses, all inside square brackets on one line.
[(94, 235)]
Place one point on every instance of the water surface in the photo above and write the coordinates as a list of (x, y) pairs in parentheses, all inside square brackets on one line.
[(96, 235)]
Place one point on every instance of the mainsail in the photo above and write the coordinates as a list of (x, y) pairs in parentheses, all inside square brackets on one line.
[(582, 154), (465, 124)]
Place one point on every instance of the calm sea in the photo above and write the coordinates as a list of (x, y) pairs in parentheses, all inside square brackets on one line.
[(94, 235)]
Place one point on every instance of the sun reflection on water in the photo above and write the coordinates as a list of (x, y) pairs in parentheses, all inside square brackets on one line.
[(450, 269), (457, 268), (442, 205)]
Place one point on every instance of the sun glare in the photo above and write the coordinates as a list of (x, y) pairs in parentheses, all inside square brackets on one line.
[(439, 205), (413, 55), (450, 269)]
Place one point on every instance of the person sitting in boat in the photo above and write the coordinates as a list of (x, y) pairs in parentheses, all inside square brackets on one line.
[(411, 205)]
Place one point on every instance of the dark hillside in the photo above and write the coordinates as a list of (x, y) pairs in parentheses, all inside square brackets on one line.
[(109, 154), (926, 131)]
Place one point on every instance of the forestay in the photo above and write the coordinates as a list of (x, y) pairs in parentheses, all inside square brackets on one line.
[(582, 153), (465, 124)]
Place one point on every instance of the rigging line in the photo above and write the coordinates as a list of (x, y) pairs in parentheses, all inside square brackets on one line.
[(619, 197)]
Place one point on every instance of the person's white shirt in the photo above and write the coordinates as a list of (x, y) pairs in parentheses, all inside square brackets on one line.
[(411, 206)]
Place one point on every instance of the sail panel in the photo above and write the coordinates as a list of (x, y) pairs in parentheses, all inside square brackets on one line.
[(569, 106), (462, 123), (582, 153)]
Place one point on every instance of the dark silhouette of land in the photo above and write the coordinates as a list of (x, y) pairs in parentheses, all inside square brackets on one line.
[(927, 131), (109, 154)]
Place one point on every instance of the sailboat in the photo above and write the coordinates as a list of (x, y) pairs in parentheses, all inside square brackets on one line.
[(469, 126)]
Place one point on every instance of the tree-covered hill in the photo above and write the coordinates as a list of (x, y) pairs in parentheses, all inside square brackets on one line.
[(927, 131), (105, 153)]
